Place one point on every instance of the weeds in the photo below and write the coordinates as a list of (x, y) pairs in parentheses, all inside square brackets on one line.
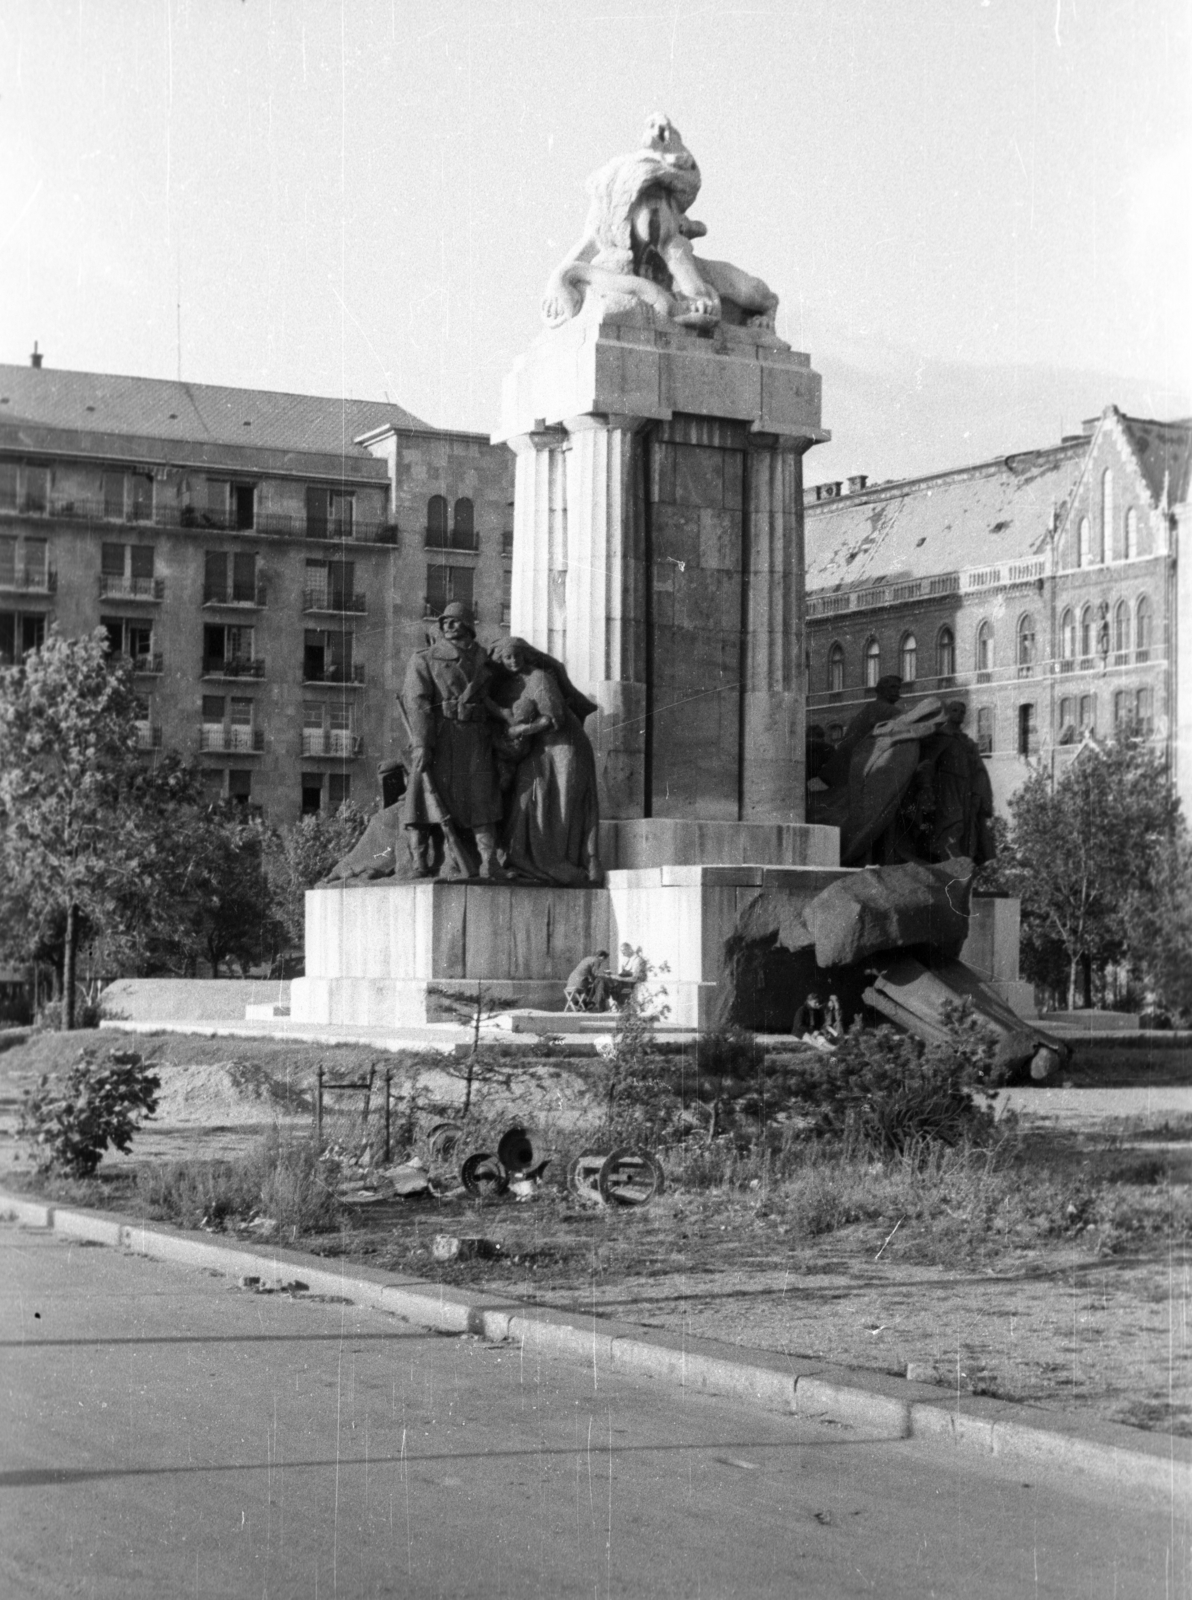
[(284, 1179)]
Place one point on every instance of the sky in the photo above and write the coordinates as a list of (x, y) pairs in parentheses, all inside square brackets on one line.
[(975, 212)]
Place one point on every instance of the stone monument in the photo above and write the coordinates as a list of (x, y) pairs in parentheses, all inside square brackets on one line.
[(659, 425)]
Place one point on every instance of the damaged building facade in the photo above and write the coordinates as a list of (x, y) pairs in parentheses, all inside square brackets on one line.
[(1043, 589), (265, 561)]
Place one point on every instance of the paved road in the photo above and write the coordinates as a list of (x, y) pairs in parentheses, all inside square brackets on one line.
[(166, 1434)]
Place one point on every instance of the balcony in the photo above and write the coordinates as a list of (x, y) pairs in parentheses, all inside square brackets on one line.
[(350, 674), (232, 667), (241, 595), (148, 736), (227, 741), (281, 524), (334, 600), (331, 742), (114, 586), (30, 580), (1068, 664)]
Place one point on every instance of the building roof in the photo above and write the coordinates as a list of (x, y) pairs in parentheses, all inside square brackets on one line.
[(917, 527), (1164, 453), (161, 408)]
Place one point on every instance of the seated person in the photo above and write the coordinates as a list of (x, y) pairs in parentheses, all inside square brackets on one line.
[(819, 1024), (634, 970), (586, 987)]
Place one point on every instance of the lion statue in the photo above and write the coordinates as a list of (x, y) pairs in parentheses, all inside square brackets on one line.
[(636, 245)]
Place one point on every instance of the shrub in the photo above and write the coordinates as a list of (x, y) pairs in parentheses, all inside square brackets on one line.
[(892, 1094), (70, 1124)]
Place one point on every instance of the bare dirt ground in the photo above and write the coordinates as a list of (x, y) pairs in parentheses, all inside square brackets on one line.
[(1070, 1323)]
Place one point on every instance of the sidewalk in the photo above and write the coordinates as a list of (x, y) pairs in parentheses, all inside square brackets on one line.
[(1032, 1440)]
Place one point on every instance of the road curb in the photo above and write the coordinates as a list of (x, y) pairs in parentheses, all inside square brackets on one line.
[(882, 1406)]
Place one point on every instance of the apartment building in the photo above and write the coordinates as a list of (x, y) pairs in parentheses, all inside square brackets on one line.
[(1043, 588), (267, 562)]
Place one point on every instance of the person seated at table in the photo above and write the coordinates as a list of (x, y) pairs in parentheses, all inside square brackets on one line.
[(586, 988), (634, 970)]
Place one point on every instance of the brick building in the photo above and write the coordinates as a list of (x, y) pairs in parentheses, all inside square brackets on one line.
[(1042, 588), (265, 560)]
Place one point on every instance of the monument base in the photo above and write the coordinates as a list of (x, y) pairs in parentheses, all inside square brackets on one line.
[(638, 842)]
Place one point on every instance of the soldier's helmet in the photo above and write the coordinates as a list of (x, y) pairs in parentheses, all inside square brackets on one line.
[(457, 611)]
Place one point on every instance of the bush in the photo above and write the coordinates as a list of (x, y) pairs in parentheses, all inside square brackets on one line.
[(71, 1124), (891, 1094)]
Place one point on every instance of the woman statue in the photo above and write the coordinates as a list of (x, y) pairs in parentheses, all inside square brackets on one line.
[(551, 817)]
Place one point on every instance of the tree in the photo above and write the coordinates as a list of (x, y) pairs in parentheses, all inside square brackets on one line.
[(225, 908), (300, 855), (82, 819), (1083, 848), (1159, 923)]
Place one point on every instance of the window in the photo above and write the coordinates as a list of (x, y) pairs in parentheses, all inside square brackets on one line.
[(462, 534), (444, 584), (506, 599), (240, 787), (8, 486), (836, 669), (148, 737), (945, 653), (1084, 552), (1142, 630), (327, 657), (1027, 737), (985, 648), (1144, 711), (835, 732), (1121, 633), (339, 789), (37, 489), (230, 578), (985, 730), (228, 652), (127, 569), (873, 663), (1123, 708), (212, 780), (330, 586), (463, 528), (131, 637), (1066, 722), (1106, 513), (231, 505), (1026, 645), (908, 657), (1131, 534), (330, 513), (113, 496), (23, 487), (26, 568), (329, 729), (19, 633), (1088, 713), (312, 793), (1068, 641), (8, 563), (1088, 635)]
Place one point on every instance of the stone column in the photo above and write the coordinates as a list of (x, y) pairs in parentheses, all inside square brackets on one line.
[(539, 538), (773, 701), (604, 608)]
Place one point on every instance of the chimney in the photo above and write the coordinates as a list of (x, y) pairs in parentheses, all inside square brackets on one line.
[(36, 358), (827, 491), (857, 482)]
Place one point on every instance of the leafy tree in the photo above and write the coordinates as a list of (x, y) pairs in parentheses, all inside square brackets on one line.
[(222, 907), (300, 855), (82, 819), (1083, 849), (1159, 924)]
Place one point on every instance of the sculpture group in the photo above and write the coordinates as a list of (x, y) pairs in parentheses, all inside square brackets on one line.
[(500, 775)]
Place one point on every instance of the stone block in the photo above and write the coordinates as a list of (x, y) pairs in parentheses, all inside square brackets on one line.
[(719, 540), (662, 841), (699, 475), (676, 530)]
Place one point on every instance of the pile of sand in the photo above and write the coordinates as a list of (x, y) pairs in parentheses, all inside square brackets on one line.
[(227, 1092)]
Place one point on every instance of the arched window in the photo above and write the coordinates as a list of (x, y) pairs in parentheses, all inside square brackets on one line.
[(1026, 645), (1087, 632), (945, 653), (1084, 552), (1067, 640), (1088, 712), (985, 730), (1131, 549), (1121, 632), (908, 657), (1143, 624), (1144, 712), (1106, 512), (436, 521), (873, 663), (836, 668), (985, 648), (463, 531)]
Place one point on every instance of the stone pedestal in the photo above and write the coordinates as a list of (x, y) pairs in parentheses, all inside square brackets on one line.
[(658, 551)]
